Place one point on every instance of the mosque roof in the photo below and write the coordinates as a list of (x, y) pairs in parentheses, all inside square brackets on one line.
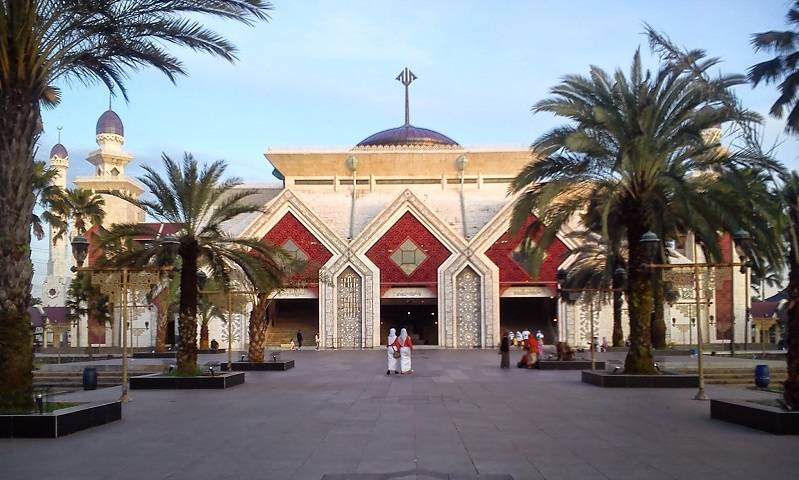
[(109, 122), (58, 150), (408, 135)]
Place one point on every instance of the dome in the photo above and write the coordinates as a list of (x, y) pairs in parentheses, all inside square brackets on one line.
[(58, 150), (109, 122), (408, 135)]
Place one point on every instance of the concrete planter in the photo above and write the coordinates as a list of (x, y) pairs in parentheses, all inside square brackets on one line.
[(755, 415), (280, 365), (165, 382), (664, 380), (60, 422), (154, 355), (569, 365)]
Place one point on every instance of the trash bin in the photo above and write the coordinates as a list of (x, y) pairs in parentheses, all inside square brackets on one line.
[(89, 378), (762, 376)]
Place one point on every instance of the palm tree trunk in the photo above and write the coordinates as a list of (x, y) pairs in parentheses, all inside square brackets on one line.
[(204, 335), (187, 326), (639, 293), (658, 321), (258, 327), (791, 392), (618, 332), (20, 126)]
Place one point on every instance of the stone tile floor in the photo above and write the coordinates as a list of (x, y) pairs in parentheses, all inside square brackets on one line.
[(337, 415)]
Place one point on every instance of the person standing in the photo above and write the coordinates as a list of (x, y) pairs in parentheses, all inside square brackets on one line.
[(299, 340), (504, 351), (316, 339), (539, 337), (519, 340), (405, 346), (391, 352)]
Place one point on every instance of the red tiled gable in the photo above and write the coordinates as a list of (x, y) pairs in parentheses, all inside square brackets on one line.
[(510, 271), (408, 227)]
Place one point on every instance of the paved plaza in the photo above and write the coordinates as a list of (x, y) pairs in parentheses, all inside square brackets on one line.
[(458, 416)]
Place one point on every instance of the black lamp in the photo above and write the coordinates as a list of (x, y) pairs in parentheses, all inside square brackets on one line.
[(620, 277), (171, 246), (80, 249), (650, 241)]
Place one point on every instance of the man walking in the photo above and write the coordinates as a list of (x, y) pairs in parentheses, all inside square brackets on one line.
[(299, 340)]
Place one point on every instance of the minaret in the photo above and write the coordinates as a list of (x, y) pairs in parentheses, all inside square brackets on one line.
[(58, 276), (109, 171)]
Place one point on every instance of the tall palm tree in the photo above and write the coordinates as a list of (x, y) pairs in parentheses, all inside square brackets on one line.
[(45, 194), (199, 203), (80, 207), (781, 68), (634, 149), (790, 200), (47, 42)]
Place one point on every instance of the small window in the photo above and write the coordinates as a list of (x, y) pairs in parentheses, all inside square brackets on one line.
[(114, 172)]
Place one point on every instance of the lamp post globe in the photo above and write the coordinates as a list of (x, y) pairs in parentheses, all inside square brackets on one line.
[(171, 246), (650, 241), (619, 277), (80, 249)]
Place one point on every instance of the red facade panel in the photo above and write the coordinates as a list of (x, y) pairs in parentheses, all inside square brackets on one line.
[(511, 271), (724, 292), (290, 228), (408, 227)]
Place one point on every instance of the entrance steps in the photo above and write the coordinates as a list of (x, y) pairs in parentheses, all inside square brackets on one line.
[(736, 376), (72, 380)]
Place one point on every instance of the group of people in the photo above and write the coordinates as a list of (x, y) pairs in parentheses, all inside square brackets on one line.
[(398, 352), (533, 346), (298, 344)]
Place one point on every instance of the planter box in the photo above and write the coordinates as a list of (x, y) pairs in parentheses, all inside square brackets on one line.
[(569, 365), (664, 380), (155, 355), (165, 382), (280, 365), (60, 422), (754, 415), (208, 350)]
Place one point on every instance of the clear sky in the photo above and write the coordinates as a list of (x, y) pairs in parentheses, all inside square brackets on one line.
[(321, 73)]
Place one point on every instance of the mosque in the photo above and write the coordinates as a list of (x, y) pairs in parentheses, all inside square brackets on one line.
[(410, 229)]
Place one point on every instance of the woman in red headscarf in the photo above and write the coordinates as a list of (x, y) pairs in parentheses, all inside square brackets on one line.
[(532, 352)]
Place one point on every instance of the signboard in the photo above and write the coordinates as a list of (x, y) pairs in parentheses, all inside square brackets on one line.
[(516, 292), (288, 293), (409, 292)]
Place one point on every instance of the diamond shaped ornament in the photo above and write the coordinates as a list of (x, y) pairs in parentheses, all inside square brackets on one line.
[(408, 257)]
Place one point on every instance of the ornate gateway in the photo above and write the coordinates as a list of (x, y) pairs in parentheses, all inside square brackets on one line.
[(468, 319)]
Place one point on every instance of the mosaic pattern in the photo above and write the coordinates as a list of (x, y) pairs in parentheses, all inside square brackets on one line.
[(349, 309), (467, 315), (235, 330), (588, 314), (408, 257)]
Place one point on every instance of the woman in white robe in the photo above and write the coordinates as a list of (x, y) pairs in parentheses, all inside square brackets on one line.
[(393, 363), (405, 346)]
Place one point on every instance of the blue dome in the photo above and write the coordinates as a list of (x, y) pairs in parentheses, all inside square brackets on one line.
[(408, 135), (109, 122), (58, 150)]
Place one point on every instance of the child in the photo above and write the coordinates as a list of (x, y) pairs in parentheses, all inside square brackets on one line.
[(293, 345)]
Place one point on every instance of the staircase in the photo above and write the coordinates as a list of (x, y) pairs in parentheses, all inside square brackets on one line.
[(737, 376)]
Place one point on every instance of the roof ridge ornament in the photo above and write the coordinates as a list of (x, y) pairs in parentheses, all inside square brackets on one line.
[(406, 77)]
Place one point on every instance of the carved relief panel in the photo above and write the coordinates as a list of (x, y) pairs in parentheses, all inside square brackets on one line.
[(468, 318), (348, 317)]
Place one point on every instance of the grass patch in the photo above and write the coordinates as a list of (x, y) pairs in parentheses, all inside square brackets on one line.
[(49, 407)]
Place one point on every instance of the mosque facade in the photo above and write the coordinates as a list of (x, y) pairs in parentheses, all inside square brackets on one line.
[(409, 229)]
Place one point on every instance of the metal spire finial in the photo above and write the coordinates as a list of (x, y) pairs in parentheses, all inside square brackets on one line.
[(109, 100), (59, 133), (406, 77)]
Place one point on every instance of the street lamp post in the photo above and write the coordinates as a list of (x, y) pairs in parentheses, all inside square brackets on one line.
[(117, 282), (650, 242)]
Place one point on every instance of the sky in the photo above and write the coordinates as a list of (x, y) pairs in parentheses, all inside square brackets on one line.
[(322, 73)]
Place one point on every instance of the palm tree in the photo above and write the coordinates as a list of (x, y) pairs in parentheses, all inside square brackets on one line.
[(199, 203), (43, 43), (164, 300), (77, 206), (595, 268), (45, 193), (789, 195), (635, 150), (782, 67)]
